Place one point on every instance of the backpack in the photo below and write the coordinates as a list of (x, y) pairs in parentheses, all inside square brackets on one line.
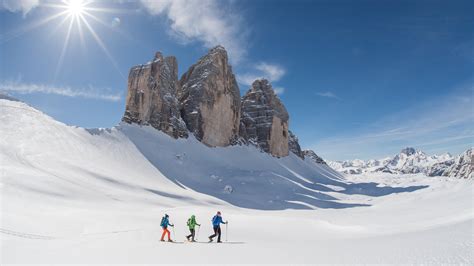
[(189, 222), (162, 222)]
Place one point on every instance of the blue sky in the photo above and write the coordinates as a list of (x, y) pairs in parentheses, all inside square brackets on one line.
[(360, 79)]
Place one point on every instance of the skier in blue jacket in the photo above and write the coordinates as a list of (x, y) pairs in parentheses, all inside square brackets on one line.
[(165, 222), (216, 224)]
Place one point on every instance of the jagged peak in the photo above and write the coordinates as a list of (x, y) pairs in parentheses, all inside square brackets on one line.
[(218, 48), (408, 151), (262, 85)]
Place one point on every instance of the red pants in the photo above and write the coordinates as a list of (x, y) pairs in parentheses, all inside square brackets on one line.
[(165, 231)]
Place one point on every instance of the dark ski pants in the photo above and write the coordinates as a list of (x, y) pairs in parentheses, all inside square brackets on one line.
[(192, 234), (217, 232)]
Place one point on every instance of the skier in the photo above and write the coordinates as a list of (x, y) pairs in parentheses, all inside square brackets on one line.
[(216, 224), (191, 225), (164, 224)]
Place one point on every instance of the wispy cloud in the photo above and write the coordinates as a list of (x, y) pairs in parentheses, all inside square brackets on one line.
[(443, 124), (23, 6), (88, 93), (279, 90), (272, 72), (328, 94), (208, 21), (214, 22)]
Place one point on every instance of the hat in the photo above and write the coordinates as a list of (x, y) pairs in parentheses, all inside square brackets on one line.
[(219, 213)]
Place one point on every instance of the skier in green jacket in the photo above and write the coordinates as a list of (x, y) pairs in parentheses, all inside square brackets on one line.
[(192, 225)]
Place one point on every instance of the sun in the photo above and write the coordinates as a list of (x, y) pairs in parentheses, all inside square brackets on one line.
[(75, 7), (77, 16)]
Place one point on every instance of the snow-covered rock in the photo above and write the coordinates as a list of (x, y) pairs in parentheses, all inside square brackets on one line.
[(462, 166), (311, 155), (294, 145)]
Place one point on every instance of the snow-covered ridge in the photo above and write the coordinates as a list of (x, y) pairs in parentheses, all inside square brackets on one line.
[(412, 161)]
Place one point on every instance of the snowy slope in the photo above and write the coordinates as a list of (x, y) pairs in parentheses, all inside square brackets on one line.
[(70, 195)]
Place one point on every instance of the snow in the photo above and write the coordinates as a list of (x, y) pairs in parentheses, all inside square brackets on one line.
[(408, 161), (70, 195)]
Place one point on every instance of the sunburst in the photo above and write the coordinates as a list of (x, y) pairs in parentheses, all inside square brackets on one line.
[(77, 12), (75, 15)]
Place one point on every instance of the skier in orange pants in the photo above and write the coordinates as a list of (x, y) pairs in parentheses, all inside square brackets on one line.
[(164, 224)]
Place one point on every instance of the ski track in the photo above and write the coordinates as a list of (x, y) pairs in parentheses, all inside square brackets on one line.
[(25, 235)]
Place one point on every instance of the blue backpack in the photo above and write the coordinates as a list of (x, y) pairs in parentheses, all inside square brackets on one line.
[(163, 223)]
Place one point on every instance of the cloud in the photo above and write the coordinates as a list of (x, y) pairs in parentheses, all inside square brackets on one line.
[(23, 6), (88, 93), (279, 90), (328, 94), (443, 124), (272, 72), (209, 21)]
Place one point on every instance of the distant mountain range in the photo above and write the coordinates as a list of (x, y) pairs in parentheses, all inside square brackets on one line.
[(412, 161)]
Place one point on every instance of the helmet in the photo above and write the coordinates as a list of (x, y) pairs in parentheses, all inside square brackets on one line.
[(193, 216), (218, 213), (166, 215)]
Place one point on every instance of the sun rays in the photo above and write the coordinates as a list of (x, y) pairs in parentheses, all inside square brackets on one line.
[(75, 16)]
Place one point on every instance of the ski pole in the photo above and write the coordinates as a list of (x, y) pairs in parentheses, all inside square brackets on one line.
[(226, 231), (174, 235), (197, 235)]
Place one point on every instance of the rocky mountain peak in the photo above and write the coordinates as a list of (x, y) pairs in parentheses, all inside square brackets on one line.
[(152, 96), (218, 49), (294, 145), (210, 99), (265, 119), (158, 55), (311, 155), (206, 102), (412, 161), (408, 151)]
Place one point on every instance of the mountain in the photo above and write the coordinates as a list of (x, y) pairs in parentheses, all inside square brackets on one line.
[(461, 166), (205, 102), (209, 99), (412, 161), (132, 162), (92, 196), (152, 96), (265, 119)]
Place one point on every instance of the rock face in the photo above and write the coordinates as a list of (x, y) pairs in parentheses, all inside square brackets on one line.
[(294, 145), (264, 119), (311, 155), (210, 99), (152, 96), (206, 102)]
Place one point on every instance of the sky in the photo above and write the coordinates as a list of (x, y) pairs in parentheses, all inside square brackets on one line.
[(360, 79)]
